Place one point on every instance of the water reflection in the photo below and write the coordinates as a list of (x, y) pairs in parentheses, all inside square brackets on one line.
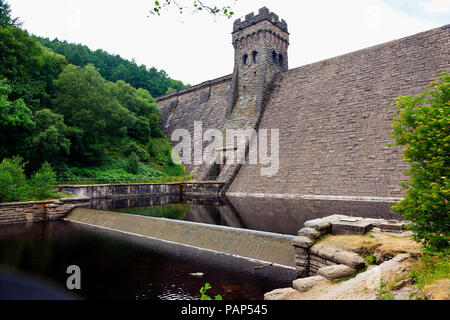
[(284, 216), (120, 266)]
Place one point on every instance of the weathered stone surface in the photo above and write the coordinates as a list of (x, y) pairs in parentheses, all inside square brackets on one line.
[(301, 262), (134, 189), (391, 226), (305, 284), (310, 233), (336, 272), (39, 210), (280, 294), (361, 226), (302, 272), (348, 258), (341, 150), (300, 251), (302, 242)]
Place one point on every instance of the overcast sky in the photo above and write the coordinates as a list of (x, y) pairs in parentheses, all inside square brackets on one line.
[(197, 47)]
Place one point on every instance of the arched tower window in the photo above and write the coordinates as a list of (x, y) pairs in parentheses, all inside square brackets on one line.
[(280, 59), (255, 56), (274, 57), (245, 59)]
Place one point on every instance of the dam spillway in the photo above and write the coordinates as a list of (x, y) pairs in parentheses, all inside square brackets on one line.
[(254, 245)]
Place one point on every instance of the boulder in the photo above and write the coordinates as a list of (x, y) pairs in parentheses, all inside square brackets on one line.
[(336, 272), (280, 294), (304, 284)]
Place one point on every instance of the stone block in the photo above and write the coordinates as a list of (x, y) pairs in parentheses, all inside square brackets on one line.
[(280, 294), (300, 251), (310, 233), (336, 272), (302, 242), (392, 226), (347, 227), (305, 284), (350, 259), (301, 262)]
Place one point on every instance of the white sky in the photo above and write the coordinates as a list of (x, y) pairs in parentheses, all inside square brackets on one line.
[(197, 47)]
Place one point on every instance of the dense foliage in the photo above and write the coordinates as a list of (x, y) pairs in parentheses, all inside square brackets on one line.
[(14, 185), (422, 128), (114, 68), (58, 115)]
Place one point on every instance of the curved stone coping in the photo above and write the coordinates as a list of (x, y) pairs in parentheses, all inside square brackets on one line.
[(257, 245)]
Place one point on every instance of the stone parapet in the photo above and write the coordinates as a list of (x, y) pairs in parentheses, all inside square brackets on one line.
[(121, 190), (19, 212)]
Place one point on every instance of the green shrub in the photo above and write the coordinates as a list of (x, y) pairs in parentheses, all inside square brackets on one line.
[(422, 128), (42, 183), (13, 183), (133, 163)]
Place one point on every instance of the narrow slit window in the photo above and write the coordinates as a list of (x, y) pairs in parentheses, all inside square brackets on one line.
[(255, 56), (245, 60)]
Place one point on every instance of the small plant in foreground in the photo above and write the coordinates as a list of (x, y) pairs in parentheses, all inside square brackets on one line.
[(383, 291), (204, 296)]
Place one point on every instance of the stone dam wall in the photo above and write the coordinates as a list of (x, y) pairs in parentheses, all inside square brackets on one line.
[(206, 102), (332, 116), (333, 121)]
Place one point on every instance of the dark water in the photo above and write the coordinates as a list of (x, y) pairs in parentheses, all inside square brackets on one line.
[(285, 216), (119, 266)]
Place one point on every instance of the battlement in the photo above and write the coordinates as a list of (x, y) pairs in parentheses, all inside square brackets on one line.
[(263, 14)]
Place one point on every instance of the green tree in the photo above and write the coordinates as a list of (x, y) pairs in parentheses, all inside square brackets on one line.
[(5, 16), (16, 123), (422, 128), (88, 103), (13, 184), (29, 68), (133, 163), (50, 142), (42, 183), (114, 68)]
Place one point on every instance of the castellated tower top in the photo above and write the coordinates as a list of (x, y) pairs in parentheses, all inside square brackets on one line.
[(261, 42), (264, 14)]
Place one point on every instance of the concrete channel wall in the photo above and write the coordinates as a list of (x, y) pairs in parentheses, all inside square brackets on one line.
[(262, 246)]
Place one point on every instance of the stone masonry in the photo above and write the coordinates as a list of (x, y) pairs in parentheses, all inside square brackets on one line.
[(39, 210), (332, 116)]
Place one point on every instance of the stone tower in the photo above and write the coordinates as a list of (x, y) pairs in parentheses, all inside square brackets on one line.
[(260, 44), (260, 47)]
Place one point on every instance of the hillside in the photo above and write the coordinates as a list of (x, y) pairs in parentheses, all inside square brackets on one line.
[(73, 117), (114, 67)]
